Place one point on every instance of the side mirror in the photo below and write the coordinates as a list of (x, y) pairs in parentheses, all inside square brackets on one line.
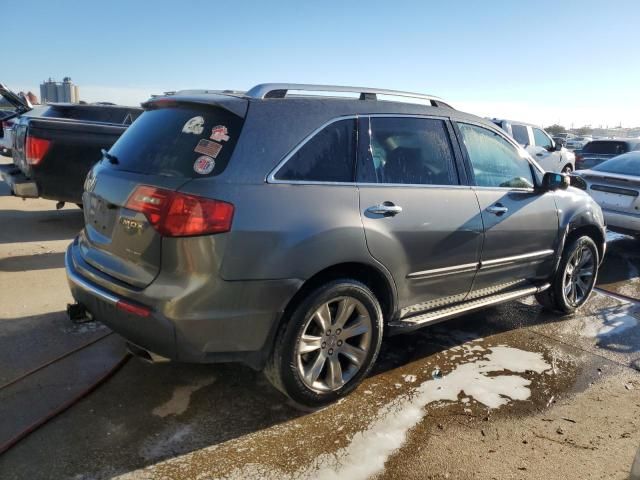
[(558, 146), (578, 182), (555, 181)]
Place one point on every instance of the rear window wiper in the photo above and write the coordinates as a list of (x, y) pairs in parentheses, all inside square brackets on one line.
[(112, 158)]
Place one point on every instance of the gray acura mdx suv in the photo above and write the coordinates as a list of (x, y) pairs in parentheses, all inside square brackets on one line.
[(289, 231)]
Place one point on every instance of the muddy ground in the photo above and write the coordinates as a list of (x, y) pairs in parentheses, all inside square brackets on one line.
[(511, 392)]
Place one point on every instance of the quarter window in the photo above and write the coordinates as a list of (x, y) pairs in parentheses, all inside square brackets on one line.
[(496, 163), (329, 156), (520, 134), (541, 139), (412, 151)]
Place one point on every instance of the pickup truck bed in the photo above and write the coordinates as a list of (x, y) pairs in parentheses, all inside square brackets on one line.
[(52, 154)]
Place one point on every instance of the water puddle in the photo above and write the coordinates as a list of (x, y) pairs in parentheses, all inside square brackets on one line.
[(180, 399)]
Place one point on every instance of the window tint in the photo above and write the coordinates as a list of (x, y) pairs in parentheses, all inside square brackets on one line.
[(520, 134), (411, 151), (176, 140), (541, 138), (606, 147), (327, 157), (496, 163)]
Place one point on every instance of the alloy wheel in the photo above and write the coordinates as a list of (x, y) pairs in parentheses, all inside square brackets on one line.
[(579, 275), (334, 344)]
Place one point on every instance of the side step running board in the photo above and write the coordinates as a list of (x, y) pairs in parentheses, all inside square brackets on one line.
[(435, 316)]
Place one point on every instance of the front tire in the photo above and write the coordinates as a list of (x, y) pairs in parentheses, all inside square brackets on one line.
[(327, 345), (575, 278)]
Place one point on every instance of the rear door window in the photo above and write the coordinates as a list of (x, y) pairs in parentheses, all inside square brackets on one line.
[(329, 156), (410, 151), (495, 161), (179, 140), (541, 139), (520, 134)]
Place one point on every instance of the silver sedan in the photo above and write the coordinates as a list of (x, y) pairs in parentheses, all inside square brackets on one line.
[(615, 185)]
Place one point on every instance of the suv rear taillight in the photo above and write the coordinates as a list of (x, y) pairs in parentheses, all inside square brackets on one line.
[(36, 148), (7, 124), (176, 214), (579, 159)]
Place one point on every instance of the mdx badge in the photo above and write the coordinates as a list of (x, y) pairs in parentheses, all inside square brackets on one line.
[(131, 226)]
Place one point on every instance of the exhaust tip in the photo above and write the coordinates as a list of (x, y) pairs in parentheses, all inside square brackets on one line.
[(145, 354)]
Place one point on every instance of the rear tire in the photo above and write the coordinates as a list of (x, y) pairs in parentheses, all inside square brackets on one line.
[(567, 168), (575, 278), (327, 345)]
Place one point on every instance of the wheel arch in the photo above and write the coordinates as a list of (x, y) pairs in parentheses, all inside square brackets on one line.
[(593, 232), (378, 280)]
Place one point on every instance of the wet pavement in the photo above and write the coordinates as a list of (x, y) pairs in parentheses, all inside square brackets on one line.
[(510, 392)]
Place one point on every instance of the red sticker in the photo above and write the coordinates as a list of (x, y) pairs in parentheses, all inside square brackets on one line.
[(204, 165), (207, 147), (219, 133)]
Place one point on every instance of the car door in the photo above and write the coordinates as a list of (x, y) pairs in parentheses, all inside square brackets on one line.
[(520, 222), (420, 221), (544, 151)]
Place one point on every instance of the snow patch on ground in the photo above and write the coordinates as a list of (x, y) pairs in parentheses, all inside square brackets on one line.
[(491, 379), (608, 323)]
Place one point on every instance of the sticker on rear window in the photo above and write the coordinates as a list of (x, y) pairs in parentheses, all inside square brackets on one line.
[(207, 147), (219, 133), (194, 125), (204, 165)]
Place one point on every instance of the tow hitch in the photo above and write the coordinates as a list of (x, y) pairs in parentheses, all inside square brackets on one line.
[(77, 313)]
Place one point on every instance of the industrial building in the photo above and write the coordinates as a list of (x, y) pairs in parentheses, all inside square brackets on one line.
[(65, 91)]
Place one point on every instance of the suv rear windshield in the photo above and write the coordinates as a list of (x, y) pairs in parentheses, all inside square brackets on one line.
[(179, 140), (606, 147)]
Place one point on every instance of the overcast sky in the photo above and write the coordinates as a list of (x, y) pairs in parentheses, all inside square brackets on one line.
[(542, 62)]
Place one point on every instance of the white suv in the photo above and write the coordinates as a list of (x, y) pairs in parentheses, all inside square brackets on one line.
[(551, 156)]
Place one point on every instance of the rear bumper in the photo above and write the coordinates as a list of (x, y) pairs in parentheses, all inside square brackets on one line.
[(242, 329), (622, 222), (20, 185)]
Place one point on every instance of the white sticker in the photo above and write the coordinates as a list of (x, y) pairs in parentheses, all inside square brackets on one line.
[(194, 125), (204, 165)]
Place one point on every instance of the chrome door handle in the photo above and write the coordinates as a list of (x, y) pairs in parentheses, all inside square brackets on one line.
[(386, 208), (497, 209)]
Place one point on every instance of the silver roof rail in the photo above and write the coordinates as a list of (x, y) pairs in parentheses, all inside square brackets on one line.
[(280, 90)]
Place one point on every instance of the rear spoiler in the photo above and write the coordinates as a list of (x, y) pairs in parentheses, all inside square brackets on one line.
[(21, 105), (234, 104)]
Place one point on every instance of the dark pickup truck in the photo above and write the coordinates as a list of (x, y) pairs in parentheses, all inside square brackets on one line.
[(54, 146)]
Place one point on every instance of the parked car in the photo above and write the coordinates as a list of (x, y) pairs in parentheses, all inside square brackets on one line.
[(11, 105), (615, 185), (597, 151), (576, 143), (550, 154), (214, 233), (564, 135), (55, 145), (560, 140)]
